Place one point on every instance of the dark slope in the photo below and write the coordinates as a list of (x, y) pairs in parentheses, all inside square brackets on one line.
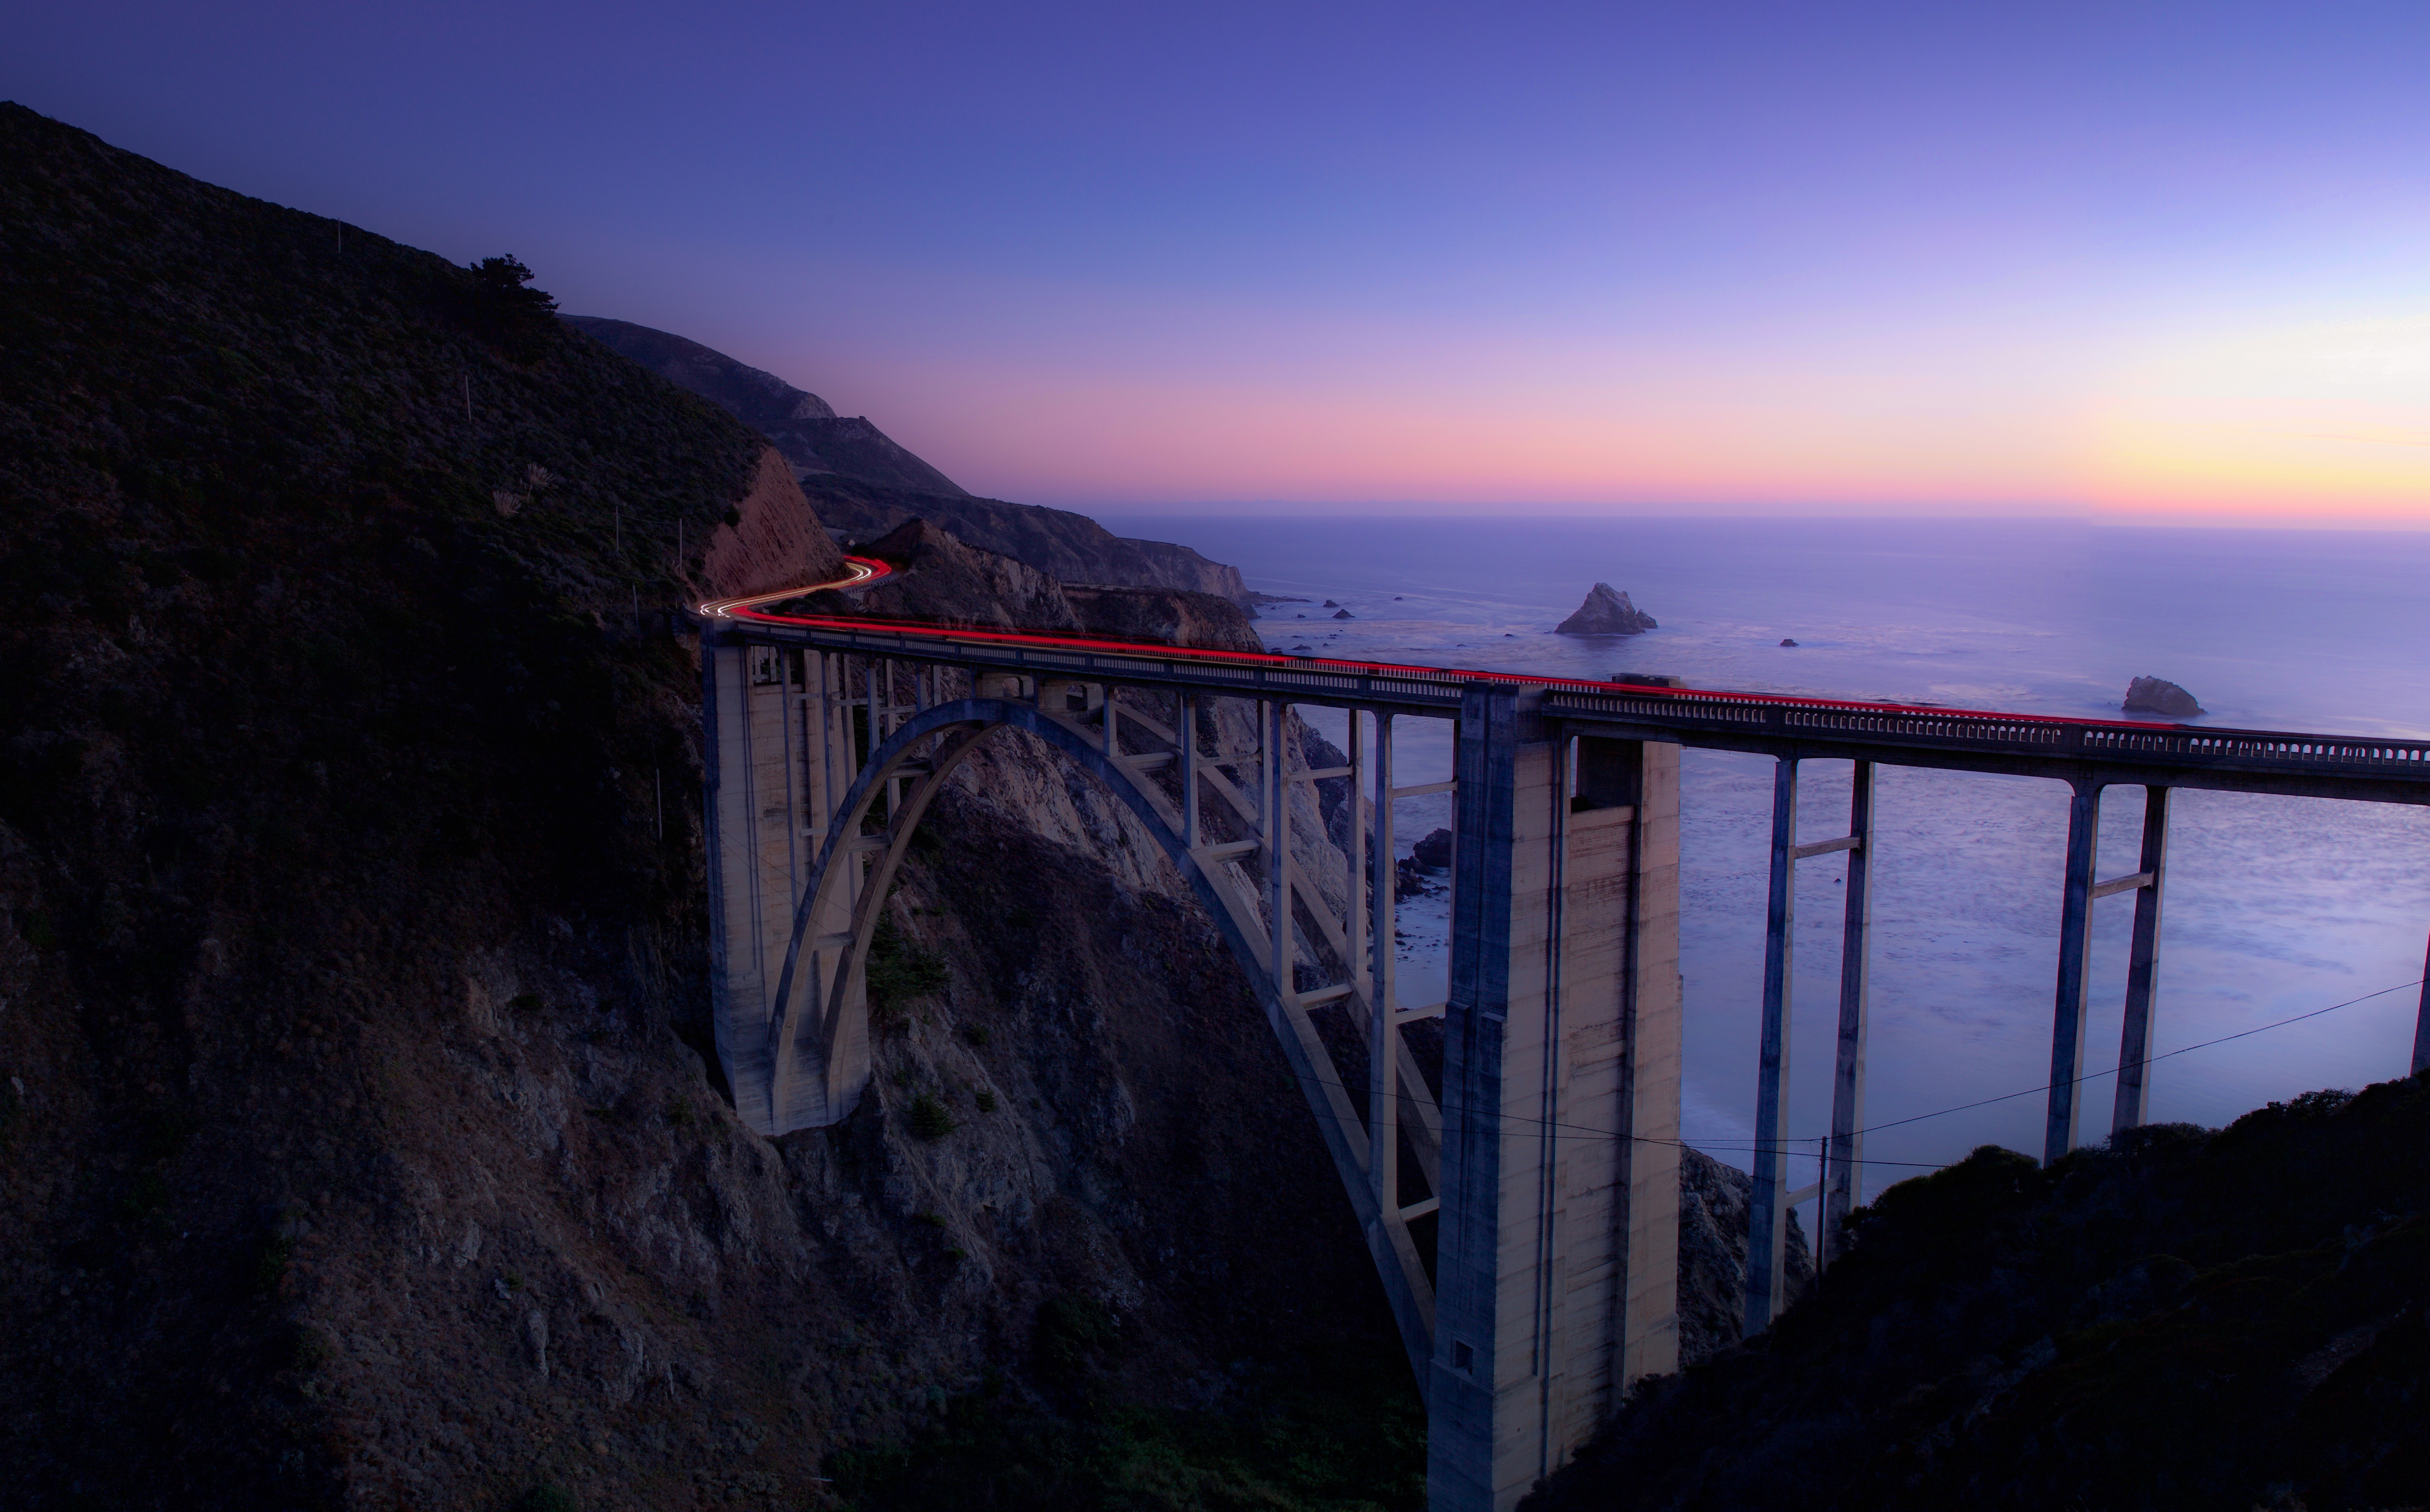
[(812, 437), (292, 715), (350, 910), (2187, 1320)]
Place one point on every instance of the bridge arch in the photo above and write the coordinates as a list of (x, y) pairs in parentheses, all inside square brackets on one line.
[(1554, 1278), (953, 731), (819, 1025)]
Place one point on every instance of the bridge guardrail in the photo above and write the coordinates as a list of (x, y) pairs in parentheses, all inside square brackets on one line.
[(1727, 716)]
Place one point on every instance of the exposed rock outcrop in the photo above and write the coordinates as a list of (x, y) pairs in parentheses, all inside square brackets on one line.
[(1173, 616), (937, 578), (772, 540), (2156, 695), (1606, 611), (1714, 1200), (1073, 547)]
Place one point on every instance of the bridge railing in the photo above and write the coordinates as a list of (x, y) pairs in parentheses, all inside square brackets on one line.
[(1729, 715)]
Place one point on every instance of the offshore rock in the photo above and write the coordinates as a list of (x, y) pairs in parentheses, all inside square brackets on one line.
[(1606, 611), (1434, 852), (2157, 695)]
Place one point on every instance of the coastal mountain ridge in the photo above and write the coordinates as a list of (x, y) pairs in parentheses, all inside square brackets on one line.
[(804, 429), (865, 485)]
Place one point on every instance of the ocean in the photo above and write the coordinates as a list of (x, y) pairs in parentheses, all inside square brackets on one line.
[(2275, 906)]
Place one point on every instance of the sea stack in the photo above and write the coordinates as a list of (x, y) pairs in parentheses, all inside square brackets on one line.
[(1606, 611), (2157, 695)]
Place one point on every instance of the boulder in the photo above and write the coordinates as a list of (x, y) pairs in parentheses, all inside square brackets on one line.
[(2157, 695), (1343, 614), (1606, 611), (1434, 852)]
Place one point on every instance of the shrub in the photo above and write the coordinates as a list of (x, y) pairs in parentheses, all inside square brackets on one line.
[(929, 1119), (269, 1263), (307, 1347), (1072, 1329), (898, 972)]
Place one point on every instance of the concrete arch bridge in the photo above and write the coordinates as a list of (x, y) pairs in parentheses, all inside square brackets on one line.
[(1554, 1275)]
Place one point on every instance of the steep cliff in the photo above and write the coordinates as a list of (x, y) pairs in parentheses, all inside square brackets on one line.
[(354, 1141)]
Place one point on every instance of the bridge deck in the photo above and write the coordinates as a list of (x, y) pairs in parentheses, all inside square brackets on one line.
[(2372, 768)]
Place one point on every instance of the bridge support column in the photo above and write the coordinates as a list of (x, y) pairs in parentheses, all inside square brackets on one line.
[(1556, 1260), (777, 751), (2133, 1106), (1843, 1183), (2074, 945), (2422, 1021), (1767, 1212)]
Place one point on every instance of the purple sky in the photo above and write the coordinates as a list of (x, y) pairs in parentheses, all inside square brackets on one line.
[(2155, 259)]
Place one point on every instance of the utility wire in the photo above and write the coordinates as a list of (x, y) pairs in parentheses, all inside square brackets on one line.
[(2148, 1060), (1580, 1131)]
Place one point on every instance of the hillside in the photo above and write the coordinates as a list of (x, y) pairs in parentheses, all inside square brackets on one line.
[(354, 1141), (2187, 1319), (804, 428)]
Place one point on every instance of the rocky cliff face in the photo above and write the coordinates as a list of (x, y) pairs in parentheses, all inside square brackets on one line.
[(1072, 547), (769, 538), (1714, 1200)]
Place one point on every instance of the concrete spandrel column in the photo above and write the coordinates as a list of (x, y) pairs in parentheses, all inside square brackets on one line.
[(741, 984), (1561, 1037), (1655, 1035)]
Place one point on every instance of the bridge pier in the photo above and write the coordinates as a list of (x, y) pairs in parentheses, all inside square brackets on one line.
[(777, 758), (1557, 1257), (2134, 1102), (1843, 1153)]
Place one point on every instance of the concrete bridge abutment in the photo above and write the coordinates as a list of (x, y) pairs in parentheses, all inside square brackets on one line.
[(1556, 1262)]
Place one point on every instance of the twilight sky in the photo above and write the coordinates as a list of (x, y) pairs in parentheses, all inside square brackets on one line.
[(2156, 260)]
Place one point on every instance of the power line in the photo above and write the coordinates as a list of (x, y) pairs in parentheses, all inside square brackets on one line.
[(1580, 1131), (2148, 1060)]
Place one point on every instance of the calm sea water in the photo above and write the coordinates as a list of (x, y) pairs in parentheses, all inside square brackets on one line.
[(2275, 906)]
